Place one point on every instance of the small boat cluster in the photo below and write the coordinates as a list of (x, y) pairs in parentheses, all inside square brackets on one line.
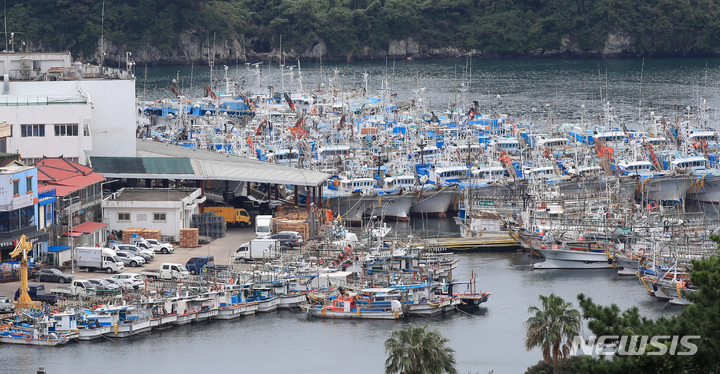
[(337, 276)]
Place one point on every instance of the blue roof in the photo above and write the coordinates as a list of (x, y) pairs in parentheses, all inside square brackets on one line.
[(57, 248)]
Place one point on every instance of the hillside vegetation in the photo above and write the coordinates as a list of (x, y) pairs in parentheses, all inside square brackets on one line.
[(347, 29)]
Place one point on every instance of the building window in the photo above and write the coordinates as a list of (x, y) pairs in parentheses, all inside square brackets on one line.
[(66, 129), (124, 217), (28, 187), (32, 131), (16, 187), (159, 217)]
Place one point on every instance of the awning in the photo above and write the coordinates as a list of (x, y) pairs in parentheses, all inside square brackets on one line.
[(89, 227), (57, 248), (74, 233)]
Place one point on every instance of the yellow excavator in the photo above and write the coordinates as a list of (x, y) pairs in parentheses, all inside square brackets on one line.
[(23, 246)]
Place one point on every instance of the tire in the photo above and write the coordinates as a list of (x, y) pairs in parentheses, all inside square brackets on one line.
[(133, 264), (61, 280), (193, 272), (164, 251), (109, 270)]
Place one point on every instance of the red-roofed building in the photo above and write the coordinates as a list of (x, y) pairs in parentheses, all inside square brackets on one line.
[(79, 195)]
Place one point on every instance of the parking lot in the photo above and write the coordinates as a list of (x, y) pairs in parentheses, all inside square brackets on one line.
[(220, 248)]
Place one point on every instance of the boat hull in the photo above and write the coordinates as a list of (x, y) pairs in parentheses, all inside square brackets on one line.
[(355, 314), (433, 202), (291, 301), (565, 259), (235, 311)]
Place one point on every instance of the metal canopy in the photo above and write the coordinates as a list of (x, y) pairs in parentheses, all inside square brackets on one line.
[(207, 165)]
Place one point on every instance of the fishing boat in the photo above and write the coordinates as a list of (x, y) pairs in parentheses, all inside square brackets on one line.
[(345, 307), (574, 255), (125, 320), (470, 299), (233, 304), (34, 332)]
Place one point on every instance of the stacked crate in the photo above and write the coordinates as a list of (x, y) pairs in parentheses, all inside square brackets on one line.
[(152, 234), (127, 234), (189, 237)]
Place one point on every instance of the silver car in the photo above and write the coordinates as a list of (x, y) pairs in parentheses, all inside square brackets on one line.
[(6, 305), (130, 258), (103, 284)]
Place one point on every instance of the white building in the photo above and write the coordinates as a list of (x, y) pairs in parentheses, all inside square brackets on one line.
[(167, 210), (50, 106)]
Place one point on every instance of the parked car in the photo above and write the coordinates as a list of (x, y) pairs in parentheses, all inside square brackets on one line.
[(288, 238), (147, 254), (130, 258), (103, 285), (6, 305), (136, 280), (155, 245), (121, 284), (52, 275)]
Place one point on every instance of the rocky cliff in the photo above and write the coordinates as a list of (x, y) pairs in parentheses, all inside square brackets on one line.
[(190, 49)]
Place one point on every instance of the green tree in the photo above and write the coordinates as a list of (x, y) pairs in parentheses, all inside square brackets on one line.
[(552, 328), (417, 351)]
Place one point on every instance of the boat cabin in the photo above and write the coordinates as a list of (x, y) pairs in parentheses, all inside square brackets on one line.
[(611, 137), (690, 163), (553, 143), (449, 174), (284, 156), (636, 168), (405, 181), (509, 145), (357, 184), (330, 151), (428, 153), (544, 172), (343, 304), (490, 173)]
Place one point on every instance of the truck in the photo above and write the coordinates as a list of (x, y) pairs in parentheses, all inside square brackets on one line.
[(232, 216), (263, 226), (167, 271), (97, 258), (37, 293), (196, 264), (78, 288), (258, 249)]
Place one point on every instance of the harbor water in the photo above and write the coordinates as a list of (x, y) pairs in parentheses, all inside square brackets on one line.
[(555, 91), (292, 342)]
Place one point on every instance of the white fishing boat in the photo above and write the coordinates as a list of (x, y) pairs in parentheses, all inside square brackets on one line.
[(233, 305), (573, 255)]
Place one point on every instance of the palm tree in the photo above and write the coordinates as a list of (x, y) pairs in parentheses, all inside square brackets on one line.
[(552, 328), (416, 351)]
